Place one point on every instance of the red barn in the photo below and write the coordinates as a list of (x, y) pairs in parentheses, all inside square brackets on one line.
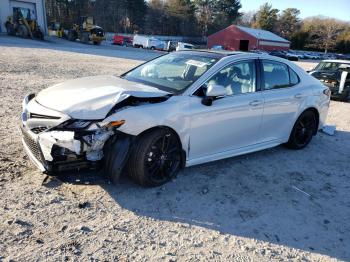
[(239, 38)]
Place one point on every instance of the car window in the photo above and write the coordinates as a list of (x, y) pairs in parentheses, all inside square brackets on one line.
[(276, 75), (294, 78), (330, 66), (237, 78)]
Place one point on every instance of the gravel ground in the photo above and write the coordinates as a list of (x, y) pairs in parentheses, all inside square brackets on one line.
[(272, 205)]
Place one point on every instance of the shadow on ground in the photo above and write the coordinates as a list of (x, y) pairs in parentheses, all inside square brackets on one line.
[(106, 49), (290, 198)]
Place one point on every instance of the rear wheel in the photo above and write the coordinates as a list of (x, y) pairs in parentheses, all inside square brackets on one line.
[(156, 158), (23, 31), (84, 37), (303, 130)]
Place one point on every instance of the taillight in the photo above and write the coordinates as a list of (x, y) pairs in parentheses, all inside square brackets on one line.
[(327, 92)]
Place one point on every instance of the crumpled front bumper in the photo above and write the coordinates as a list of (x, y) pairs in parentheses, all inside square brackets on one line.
[(33, 151), (54, 149)]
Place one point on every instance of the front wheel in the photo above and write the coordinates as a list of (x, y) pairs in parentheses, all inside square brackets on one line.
[(303, 130), (23, 31), (156, 158), (9, 29)]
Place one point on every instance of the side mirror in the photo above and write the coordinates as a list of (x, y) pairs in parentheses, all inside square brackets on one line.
[(213, 91)]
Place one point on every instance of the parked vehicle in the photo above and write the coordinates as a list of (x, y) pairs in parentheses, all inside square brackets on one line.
[(160, 46), (148, 42), (285, 55), (217, 47), (181, 109), (184, 46), (171, 46), (335, 74), (122, 40), (313, 56), (297, 54), (262, 52), (22, 23), (85, 31)]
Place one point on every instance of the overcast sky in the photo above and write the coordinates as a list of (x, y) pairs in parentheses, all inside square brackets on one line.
[(339, 9)]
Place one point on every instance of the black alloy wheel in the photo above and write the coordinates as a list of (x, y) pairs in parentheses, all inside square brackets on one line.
[(163, 159), (156, 158), (303, 130)]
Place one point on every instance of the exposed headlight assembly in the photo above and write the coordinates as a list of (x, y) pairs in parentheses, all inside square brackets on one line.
[(90, 125)]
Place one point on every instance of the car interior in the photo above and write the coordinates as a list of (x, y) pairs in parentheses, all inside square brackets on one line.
[(237, 79)]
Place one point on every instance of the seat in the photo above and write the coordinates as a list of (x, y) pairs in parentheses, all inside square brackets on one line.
[(236, 86)]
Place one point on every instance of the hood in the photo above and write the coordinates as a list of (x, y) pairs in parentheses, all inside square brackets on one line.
[(93, 97), (327, 75)]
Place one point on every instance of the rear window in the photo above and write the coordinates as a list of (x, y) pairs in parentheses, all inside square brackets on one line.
[(294, 78), (278, 75)]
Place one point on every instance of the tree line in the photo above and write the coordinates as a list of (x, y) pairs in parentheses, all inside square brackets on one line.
[(202, 18), (314, 33)]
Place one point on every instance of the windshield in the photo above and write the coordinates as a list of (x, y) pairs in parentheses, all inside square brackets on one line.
[(173, 72), (330, 66)]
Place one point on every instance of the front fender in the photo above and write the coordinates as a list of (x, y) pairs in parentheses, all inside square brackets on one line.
[(170, 113)]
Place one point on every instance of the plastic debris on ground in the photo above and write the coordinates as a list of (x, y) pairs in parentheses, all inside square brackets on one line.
[(329, 130)]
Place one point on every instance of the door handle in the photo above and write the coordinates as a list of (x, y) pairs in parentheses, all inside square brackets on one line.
[(255, 103), (298, 96)]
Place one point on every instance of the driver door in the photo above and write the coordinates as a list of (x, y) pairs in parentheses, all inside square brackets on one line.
[(231, 122)]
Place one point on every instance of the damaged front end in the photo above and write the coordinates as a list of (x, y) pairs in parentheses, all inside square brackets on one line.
[(74, 149), (56, 143)]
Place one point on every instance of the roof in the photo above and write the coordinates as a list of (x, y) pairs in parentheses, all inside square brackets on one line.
[(262, 34), (216, 53)]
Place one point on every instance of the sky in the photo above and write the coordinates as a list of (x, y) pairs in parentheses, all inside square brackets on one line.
[(339, 9)]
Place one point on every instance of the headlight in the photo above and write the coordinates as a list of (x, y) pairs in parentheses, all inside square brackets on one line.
[(26, 100), (91, 125)]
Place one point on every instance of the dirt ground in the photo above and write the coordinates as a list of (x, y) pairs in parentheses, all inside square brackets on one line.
[(273, 205)]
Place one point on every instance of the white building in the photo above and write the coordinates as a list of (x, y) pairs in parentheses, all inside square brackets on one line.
[(36, 7)]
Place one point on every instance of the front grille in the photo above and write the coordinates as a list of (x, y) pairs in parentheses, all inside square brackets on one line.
[(32, 145), (39, 129), (33, 115)]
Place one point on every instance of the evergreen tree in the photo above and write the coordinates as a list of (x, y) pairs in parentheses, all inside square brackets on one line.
[(266, 18), (288, 22)]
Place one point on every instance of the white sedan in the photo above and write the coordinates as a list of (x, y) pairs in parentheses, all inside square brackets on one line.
[(181, 109)]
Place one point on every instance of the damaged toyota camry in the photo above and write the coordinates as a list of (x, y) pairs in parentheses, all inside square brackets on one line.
[(181, 109)]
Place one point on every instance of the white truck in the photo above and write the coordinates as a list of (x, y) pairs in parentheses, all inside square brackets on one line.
[(184, 46), (148, 43)]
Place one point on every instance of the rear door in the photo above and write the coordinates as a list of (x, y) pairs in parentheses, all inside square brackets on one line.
[(283, 95)]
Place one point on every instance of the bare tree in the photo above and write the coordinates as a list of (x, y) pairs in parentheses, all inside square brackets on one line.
[(323, 32), (247, 19)]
